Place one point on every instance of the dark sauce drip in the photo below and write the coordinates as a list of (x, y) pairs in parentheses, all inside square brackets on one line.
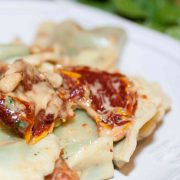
[(72, 88), (43, 123)]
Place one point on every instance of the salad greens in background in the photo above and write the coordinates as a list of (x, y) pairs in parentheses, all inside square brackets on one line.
[(161, 15)]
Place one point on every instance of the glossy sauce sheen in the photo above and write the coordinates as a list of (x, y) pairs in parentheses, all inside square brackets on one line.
[(108, 93), (11, 117), (35, 124)]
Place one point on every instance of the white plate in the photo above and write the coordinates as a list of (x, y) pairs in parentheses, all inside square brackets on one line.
[(147, 53)]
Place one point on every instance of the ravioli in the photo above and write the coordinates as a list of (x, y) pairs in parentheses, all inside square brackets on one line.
[(152, 106), (98, 48), (9, 51), (20, 160), (83, 150)]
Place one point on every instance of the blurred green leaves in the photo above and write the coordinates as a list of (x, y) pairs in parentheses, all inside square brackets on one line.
[(162, 15), (102, 4), (129, 8)]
